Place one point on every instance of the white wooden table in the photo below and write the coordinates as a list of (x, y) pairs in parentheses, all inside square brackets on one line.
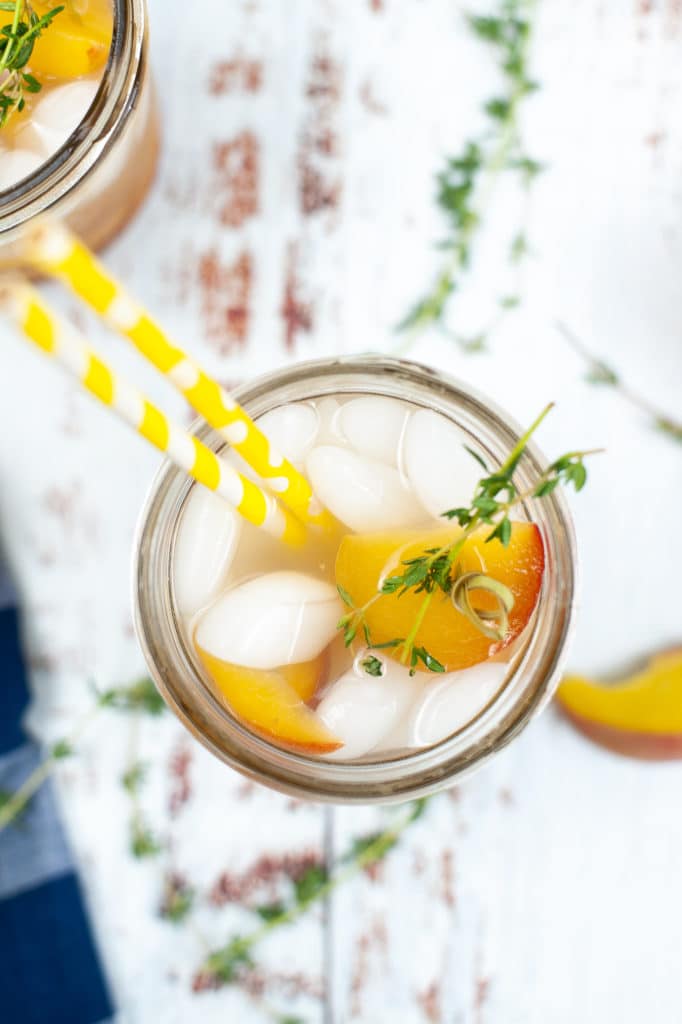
[(547, 889)]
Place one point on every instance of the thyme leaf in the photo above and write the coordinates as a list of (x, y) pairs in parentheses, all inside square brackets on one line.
[(143, 842), (372, 666), (140, 696)]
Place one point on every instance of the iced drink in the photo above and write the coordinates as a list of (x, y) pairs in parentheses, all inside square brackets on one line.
[(78, 126), (264, 620)]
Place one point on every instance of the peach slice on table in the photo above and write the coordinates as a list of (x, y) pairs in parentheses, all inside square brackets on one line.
[(365, 560), (272, 701), (639, 715)]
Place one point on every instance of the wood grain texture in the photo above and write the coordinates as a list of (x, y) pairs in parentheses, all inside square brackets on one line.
[(292, 218)]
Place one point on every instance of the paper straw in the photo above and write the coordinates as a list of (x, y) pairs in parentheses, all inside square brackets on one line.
[(53, 249), (61, 341)]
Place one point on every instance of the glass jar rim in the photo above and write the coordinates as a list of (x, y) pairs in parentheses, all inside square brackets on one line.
[(72, 163), (393, 779)]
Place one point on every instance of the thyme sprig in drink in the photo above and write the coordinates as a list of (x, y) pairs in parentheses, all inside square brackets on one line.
[(440, 568)]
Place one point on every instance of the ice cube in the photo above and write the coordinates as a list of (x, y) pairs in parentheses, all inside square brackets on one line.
[(442, 473), (363, 493), (207, 540), (374, 426), (280, 618), (56, 115), (447, 703), (16, 164), (292, 429), (329, 411), (362, 709)]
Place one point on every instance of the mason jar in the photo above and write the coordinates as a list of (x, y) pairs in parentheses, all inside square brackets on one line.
[(535, 671), (97, 180)]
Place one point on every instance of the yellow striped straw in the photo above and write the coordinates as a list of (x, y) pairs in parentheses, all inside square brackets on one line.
[(61, 341), (53, 249)]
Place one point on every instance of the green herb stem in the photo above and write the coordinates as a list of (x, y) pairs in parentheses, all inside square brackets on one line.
[(601, 373), (18, 8), (143, 842), (517, 451), (32, 783), (16, 803), (141, 696), (19, 40), (408, 646)]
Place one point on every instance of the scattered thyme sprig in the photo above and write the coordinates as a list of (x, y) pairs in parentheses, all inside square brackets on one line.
[(140, 696), (467, 181), (437, 570), (12, 805), (143, 842), (178, 898), (228, 964), (601, 373), (16, 46), (139, 699)]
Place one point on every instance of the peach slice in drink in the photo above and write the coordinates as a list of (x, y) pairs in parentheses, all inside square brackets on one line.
[(365, 560), (77, 41), (272, 701), (305, 677)]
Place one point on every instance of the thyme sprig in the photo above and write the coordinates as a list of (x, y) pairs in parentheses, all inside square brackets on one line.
[(16, 803), (467, 181), (437, 569), (16, 47), (178, 898), (142, 840), (228, 964), (601, 373), (140, 696)]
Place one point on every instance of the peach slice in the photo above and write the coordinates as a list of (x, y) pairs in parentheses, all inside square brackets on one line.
[(73, 44), (272, 702), (305, 677), (364, 560), (639, 715)]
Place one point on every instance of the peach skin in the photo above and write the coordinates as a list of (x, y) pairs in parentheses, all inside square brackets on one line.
[(638, 715)]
